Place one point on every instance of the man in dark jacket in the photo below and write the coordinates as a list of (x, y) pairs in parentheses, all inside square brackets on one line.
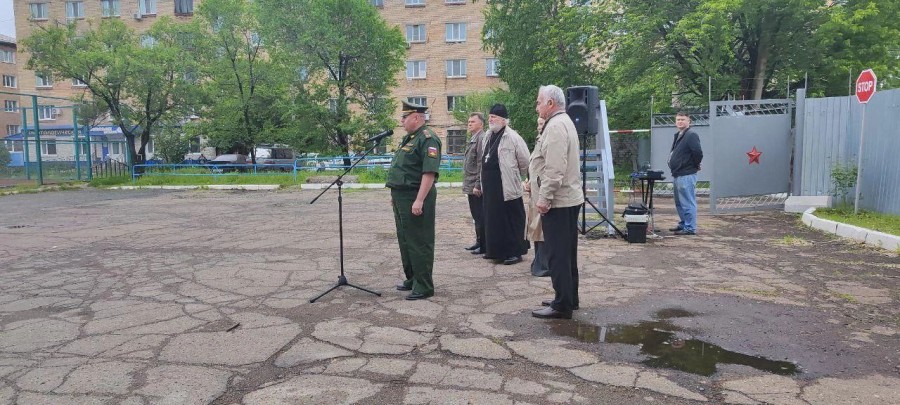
[(472, 178), (684, 163)]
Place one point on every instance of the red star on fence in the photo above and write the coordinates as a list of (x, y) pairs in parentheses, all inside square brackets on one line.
[(754, 156)]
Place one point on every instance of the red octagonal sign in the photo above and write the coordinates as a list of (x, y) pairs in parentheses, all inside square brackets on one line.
[(865, 86)]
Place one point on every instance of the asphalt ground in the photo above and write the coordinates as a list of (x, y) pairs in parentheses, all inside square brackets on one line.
[(146, 297)]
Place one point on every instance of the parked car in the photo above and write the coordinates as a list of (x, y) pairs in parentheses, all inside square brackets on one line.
[(277, 157), (194, 158), (231, 162)]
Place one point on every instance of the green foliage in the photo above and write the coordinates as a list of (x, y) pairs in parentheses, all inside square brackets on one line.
[(668, 50), (244, 89), (859, 34), (843, 178), (171, 143), (479, 101), (5, 158), (345, 59), (540, 42), (141, 85)]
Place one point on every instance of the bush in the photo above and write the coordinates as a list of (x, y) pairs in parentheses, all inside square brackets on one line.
[(843, 178), (5, 158)]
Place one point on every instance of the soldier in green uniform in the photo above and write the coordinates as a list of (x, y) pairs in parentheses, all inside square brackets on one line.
[(411, 180)]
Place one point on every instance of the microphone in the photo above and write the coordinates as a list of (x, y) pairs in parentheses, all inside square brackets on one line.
[(379, 137)]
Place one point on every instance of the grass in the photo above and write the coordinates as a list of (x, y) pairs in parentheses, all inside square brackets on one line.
[(791, 240), (887, 223), (34, 188), (846, 297), (202, 177)]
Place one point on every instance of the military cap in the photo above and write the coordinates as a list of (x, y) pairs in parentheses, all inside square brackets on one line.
[(409, 108)]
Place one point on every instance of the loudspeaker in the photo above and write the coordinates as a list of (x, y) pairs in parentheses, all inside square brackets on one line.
[(583, 107)]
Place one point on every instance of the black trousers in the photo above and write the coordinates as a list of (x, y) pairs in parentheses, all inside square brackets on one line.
[(476, 207), (560, 226)]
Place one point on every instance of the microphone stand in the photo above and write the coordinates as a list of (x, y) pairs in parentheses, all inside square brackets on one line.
[(342, 279)]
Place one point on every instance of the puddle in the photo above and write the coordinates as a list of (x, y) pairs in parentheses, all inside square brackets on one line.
[(658, 340)]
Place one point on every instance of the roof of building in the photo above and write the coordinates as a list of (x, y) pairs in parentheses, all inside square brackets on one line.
[(7, 40)]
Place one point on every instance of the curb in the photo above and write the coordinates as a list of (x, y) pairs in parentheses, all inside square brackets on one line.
[(270, 187), (868, 236)]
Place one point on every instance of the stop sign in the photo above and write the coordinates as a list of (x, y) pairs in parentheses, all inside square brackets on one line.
[(865, 86)]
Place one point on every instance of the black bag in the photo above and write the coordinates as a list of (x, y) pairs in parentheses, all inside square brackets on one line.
[(635, 209)]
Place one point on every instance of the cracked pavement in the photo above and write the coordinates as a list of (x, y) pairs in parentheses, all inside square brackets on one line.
[(197, 297)]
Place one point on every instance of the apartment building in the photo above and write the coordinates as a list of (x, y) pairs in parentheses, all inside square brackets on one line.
[(10, 117), (445, 61)]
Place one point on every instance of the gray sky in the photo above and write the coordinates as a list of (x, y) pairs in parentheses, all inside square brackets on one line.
[(7, 22)]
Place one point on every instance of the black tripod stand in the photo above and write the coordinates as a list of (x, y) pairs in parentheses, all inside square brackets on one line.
[(342, 280), (584, 229)]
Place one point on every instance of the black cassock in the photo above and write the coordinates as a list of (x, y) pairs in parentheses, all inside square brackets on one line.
[(504, 221)]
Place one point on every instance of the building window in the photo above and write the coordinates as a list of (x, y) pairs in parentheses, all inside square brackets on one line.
[(149, 149), (48, 147), (456, 68), (46, 112), (43, 81), (492, 65), (377, 3), (74, 10), (454, 102), (9, 81), (76, 82), (147, 7), (415, 69), (456, 32), (415, 33), (7, 56), (85, 150), (418, 100), (115, 148), (40, 11), (147, 41), (10, 106), (456, 141), (415, 3), (13, 130), (184, 6), (110, 8), (454, 1)]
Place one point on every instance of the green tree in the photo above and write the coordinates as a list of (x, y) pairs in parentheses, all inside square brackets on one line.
[(859, 34), (635, 49), (749, 48), (140, 78), (479, 102), (346, 59), (5, 158), (540, 42), (171, 143), (244, 87)]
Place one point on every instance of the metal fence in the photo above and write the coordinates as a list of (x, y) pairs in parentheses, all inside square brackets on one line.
[(330, 165), (828, 134), (62, 159)]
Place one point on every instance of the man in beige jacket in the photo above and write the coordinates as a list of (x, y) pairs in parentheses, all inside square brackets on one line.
[(554, 165)]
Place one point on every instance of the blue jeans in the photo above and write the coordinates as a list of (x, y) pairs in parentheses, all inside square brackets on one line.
[(686, 202)]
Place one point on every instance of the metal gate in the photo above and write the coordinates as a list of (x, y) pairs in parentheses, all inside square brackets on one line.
[(751, 152), (747, 147)]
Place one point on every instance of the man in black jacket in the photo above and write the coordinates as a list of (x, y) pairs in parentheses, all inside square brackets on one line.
[(684, 163)]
